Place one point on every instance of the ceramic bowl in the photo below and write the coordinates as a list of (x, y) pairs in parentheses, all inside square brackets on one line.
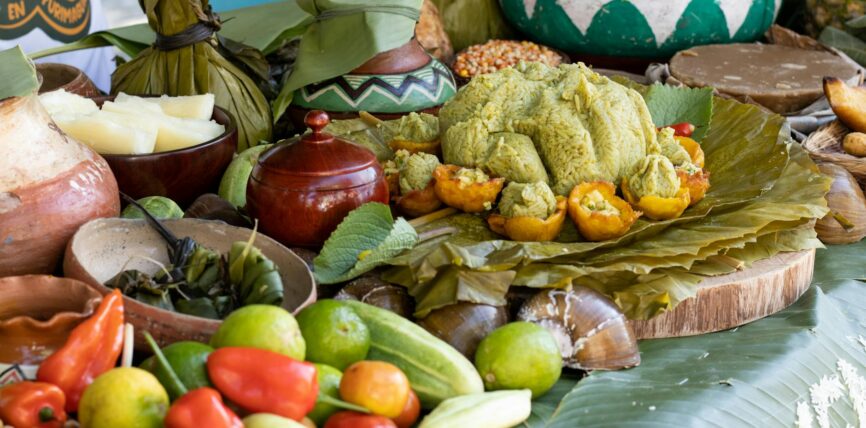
[(181, 175), (102, 248), (63, 76), (37, 313)]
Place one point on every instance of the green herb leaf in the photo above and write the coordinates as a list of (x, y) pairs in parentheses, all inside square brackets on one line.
[(852, 46), (19, 74), (368, 237), (669, 105)]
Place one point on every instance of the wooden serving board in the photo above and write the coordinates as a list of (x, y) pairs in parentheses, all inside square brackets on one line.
[(728, 301)]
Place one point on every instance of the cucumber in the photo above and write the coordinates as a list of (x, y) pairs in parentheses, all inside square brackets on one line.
[(435, 370), (498, 409), (233, 185)]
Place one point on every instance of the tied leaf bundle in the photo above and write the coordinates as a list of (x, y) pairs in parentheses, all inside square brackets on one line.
[(186, 60)]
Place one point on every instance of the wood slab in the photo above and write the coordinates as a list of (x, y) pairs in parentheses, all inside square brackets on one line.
[(728, 301)]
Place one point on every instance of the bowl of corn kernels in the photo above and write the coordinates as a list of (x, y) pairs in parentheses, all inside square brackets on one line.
[(495, 55)]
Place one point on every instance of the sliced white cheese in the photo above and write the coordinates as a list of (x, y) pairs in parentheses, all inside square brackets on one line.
[(133, 107), (62, 105), (109, 137), (184, 107), (175, 134)]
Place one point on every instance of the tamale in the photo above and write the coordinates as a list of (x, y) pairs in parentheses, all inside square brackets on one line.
[(186, 60)]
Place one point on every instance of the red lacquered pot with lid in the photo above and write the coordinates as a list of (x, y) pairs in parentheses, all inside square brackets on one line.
[(300, 190)]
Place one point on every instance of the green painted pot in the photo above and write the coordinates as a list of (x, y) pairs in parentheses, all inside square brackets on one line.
[(639, 28)]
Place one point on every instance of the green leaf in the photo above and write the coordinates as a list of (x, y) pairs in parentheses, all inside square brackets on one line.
[(754, 375), (19, 74), (858, 22), (670, 105), (841, 262), (368, 237), (839, 39)]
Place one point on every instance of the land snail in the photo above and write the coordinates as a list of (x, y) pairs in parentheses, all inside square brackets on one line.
[(593, 334), (463, 325), (373, 291)]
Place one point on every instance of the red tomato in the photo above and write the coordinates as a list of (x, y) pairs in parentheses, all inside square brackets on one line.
[(376, 385), (358, 420), (410, 412), (684, 129)]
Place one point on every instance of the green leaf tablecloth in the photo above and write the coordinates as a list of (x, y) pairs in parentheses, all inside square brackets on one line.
[(811, 356)]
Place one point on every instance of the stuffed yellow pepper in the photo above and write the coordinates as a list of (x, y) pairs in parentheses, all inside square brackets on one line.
[(529, 212), (688, 160), (417, 194), (414, 132), (598, 212), (654, 188), (467, 189)]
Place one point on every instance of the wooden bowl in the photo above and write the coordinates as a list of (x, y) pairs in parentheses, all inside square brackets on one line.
[(101, 249), (180, 175), (37, 313), (63, 76)]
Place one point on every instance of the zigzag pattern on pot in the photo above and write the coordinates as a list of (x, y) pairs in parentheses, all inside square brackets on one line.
[(429, 81), (662, 16)]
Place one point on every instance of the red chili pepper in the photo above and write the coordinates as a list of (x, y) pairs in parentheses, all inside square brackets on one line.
[(201, 407), (358, 420), (261, 381), (683, 129), (32, 405), (91, 350)]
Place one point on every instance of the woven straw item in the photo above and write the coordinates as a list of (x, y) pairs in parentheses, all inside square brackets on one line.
[(825, 145)]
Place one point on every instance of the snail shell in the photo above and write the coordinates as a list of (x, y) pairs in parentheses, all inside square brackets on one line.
[(846, 222), (371, 290), (593, 334), (463, 325)]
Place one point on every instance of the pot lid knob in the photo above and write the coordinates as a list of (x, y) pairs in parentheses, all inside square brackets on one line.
[(317, 120)]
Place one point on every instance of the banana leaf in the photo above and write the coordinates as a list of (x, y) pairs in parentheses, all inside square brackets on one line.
[(470, 22), (761, 185), (195, 69), (20, 74), (774, 372)]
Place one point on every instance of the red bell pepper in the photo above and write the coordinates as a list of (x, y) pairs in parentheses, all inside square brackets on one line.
[(683, 129), (32, 405), (201, 407), (358, 420), (91, 350), (261, 381)]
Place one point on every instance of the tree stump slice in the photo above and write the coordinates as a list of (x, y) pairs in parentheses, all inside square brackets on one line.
[(728, 301)]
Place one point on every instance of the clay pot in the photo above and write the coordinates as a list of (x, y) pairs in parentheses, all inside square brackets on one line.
[(37, 313), (62, 76), (49, 186), (103, 248), (302, 189)]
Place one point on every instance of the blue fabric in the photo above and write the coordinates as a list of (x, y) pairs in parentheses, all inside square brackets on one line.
[(223, 5)]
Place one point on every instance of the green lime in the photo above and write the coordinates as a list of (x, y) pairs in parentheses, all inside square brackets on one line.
[(329, 384), (123, 397), (188, 360), (264, 327), (158, 206), (334, 333), (519, 355), (267, 420)]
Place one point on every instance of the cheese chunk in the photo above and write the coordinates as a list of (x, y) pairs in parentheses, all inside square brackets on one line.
[(62, 105), (103, 132), (184, 107)]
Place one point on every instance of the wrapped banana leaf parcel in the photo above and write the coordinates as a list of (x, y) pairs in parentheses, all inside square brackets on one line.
[(765, 196)]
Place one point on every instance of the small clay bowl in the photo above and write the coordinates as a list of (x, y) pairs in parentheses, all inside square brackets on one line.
[(37, 313), (102, 248), (180, 175), (62, 76)]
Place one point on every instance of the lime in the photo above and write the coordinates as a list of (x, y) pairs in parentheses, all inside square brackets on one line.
[(519, 355), (267, 420), (123, 397), (262, 326), (187, 359), (329, 384), (334, 333), (158, 206)]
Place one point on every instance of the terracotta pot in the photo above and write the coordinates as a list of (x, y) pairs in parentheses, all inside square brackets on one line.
[(180, 175), (49, 185), (302, 189), (62, 76), (102, 248)]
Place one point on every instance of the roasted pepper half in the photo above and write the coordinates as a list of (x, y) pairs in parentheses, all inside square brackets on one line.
[(261, 381), (696, 180), (201, 407), (526, 228), (694, 149), (419, 202), (32, 405), (467, 196), (658, 208), (91, 350), (598, 213), (432, 147)]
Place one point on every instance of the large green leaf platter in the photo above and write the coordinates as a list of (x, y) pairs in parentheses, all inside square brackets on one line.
[(639, 28)]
